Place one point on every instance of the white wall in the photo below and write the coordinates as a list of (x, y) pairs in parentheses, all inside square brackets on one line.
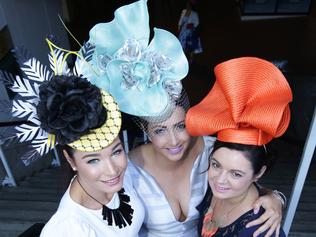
[(30, 21), (3, 21)]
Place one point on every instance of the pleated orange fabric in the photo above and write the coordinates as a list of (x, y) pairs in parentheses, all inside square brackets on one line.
[(248, 104)]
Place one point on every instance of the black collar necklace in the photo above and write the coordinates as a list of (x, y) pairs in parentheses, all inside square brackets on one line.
[(122, 215)]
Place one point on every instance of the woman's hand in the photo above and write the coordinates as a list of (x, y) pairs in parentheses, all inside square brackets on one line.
[(272, 216)]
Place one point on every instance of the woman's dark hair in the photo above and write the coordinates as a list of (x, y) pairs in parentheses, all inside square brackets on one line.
[(256, 155), (71, 151), (191, 5)]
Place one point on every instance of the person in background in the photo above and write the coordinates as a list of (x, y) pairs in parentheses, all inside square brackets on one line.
[(247, 107), (188, 29)]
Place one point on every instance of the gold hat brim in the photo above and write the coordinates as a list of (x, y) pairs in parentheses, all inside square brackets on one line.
[(99, 138)]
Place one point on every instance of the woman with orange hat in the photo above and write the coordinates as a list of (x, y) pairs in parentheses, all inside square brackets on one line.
[(247, 107)]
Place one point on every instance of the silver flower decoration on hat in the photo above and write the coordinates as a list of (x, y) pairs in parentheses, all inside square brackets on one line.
[(142, 68)]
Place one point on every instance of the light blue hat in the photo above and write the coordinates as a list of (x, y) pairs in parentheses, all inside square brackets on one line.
[(144, 78)]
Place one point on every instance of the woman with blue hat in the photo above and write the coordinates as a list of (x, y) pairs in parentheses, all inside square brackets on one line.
[(144, 77)]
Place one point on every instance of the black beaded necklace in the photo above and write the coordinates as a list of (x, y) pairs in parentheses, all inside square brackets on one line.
[(122, 215)]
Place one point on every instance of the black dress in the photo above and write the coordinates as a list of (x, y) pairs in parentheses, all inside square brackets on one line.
[(238, 227)]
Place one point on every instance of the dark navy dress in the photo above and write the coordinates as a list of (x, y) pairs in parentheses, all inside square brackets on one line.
[(238, 227)]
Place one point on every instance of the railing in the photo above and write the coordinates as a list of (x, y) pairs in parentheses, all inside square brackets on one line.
[(307, 156)]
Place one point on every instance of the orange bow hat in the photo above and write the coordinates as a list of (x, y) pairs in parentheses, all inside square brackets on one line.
[(248, 104)]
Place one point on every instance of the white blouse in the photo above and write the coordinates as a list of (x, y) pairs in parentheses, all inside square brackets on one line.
[(159, 218), (74, 220), (192, 18)]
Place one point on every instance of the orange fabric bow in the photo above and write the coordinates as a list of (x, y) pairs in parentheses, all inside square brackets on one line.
[(248, 104)]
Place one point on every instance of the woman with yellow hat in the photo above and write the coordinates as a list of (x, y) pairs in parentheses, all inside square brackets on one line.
[(64, 109), (247, 107)]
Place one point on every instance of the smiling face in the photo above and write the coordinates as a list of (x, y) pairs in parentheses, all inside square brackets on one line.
[(230, 173), (170, 139), (101, 171)]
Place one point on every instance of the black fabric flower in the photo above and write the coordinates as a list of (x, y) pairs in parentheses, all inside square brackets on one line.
[(69, 107)]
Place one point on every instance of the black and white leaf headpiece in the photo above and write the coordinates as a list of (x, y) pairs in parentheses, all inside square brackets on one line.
[(27, 98)]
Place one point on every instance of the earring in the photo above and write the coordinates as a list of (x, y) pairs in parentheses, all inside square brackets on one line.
[(74, 169)]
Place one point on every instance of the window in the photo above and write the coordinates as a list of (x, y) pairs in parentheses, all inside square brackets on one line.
[(275, 7)]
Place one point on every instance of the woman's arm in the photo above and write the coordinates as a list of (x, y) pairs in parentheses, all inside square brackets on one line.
[(248, 232), (181, 20), (272, 217)]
